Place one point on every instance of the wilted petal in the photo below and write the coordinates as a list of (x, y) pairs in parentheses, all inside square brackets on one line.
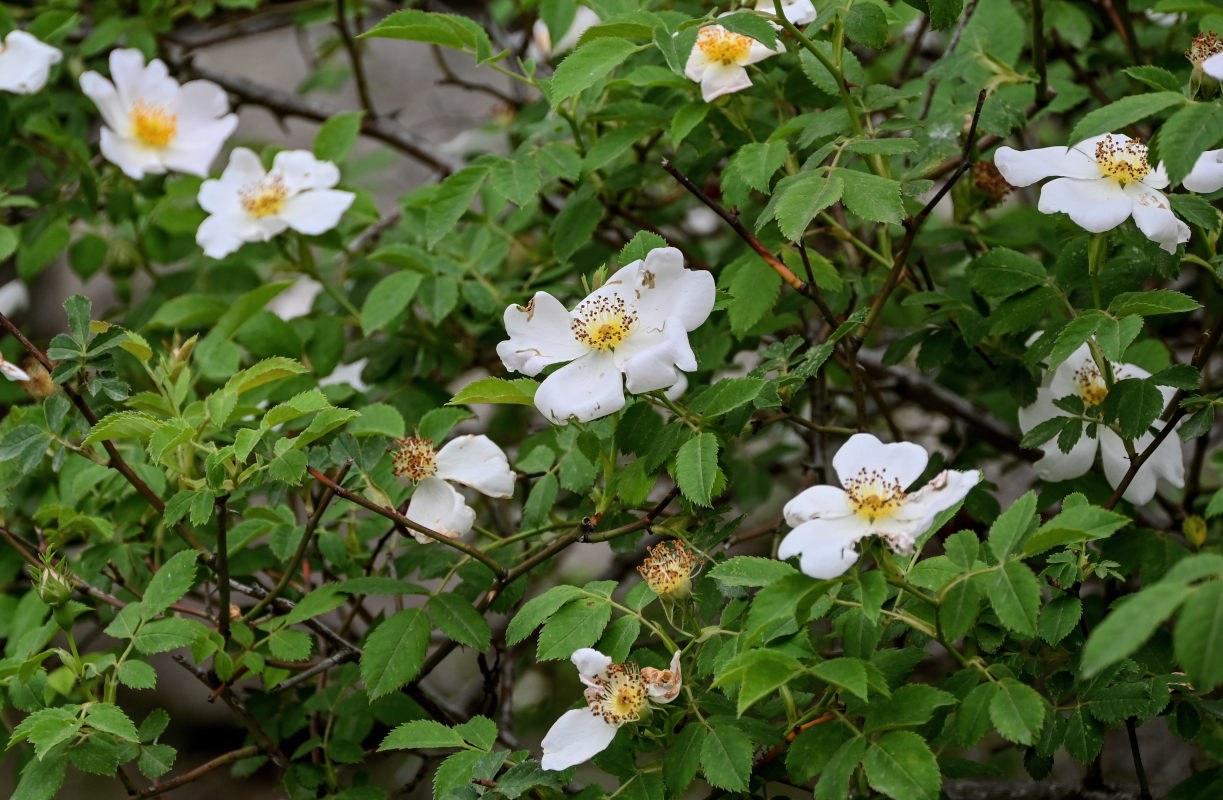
[(1094, 205), (863, 452), (587, 388), (541, 334), (475, 461), (825, 547), (817, 502), (576, 737), (663, 685), (12, 371), (435, 504)]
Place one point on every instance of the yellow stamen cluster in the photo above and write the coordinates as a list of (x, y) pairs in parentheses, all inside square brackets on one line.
[(1089, 385), (619, 695), (413, 458), (670, 567), (719, 44), (602, 323), (1124, 161), (874, 495), (1203, 46), (153, 123), (264, 197)]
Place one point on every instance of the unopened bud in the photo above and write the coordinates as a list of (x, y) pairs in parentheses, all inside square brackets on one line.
[(54, 582), (39, 386)]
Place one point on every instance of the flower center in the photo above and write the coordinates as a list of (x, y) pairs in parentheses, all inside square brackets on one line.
[(603, 323), (1125, 162), (153, 123), (719, 44), (619, 697), (1089, 385), (414, 458), (264, 197), (1204, 46), (669, 567), (874, 495)]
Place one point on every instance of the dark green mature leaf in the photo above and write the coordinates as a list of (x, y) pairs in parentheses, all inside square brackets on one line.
[(577, 625), (813, 749), (1084, 737), (1013, 526), (23, 447), (387, 299), (848, 673), (1017, 711), (750, 25), (1186, 134), (451, 201), (41, 778), (871, 197), (867, 24), (1199, 636), (536, 610), (754, 164), (727, 395), (1002, 272), (1156, 301), (1156, 78), (726, 757), (395, 651), (169, 583), (683, 758), (750, 571), (109, 718), (834, 783), (1126, 111), (421, 734), (156, 760), (696, 468), (1129, 623), (163, 635), (958, 610), (520, 391), (797, 203), (911, 704), (585, 66), (1059, 617), (1014, 593), (458, 619), (1134, 403), (972, 719), (900, 765)]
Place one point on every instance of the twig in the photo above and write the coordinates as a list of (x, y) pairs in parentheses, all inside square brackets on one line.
[(222, 566), (452, 79), (236, 705), (395, 516), (160, 788), (335, 660), (1144, 789), (1038, 49), (354, 58)]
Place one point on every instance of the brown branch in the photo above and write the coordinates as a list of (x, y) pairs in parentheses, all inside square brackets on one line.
[(161, 787), (236, 705), (222, 566), (452, 79), (354, 58)]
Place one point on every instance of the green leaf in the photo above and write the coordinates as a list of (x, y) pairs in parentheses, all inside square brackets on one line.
[(451, 201), (47, 727), (337, 135), (455, 772), (958, 609), (168, 585), (1083, 737), (1017, 711), (23, 447), (41, 778), (163, 635), (421, 734), (900, 765), (727, 395), (447, 30), (379, 419), (577, 221), (753, 166), (1014, 593), (1129, 623), (1156, 301), (1126, 111), (481, 732), (517, 179), (1002, 272), (1134, 403), (1078, 523), (536, 610), (813, 749), (265, 371), (1186, 134), (1199, 636), (754, 289), (1156, 78), (387, 299), (749, 24), (137, 675), (585, 66), (1059, 617), (866, 24), (834, 783), (287, 644), (726, 757), (696, 468), (1074, 335), (1009, 530), (910, 704), (97, 755), (848, 673), (395, 651), (109, 718), (682, 759), (751, 571), (456, 618), (760, 673), (972, 718), (871, 197), (156, 760), (1115, 335), (577, 625), (520, 391), (799, 200), (122, 425)]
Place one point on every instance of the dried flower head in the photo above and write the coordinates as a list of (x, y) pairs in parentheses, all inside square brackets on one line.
[(989, 181), (669, 568)]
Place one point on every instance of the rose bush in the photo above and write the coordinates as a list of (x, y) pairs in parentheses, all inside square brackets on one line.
[(756, 365)]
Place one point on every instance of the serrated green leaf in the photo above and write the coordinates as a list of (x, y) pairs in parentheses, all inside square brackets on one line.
[(520, 391), (800, 200), (1185, 135), (395, 651), (1017, 711), (900, 765), (1199, 636), (169, 583), (1126, 111), (421, 734), (389, 297), (1129, 623), (585, 66), (696, 467), (455, 617), (726, 757)]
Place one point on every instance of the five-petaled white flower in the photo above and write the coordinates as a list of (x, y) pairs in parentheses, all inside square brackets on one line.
[(1207, 173), (718, 59), (1102, 182), (616, 694), (152, 123), (470, 460), (1080, 376), (583, 20), (636, 324), (11, 371), (25, 63), (799, 12), (250, 204), (828, 521)]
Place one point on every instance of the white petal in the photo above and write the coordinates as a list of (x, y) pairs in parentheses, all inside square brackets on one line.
[(1213, 66), (944, 490), (817, 502), (349, 374), (825, 547), (655, 367), (129, 155), (437, 505), (1167, 462), (670, 290), (1063, 381), (25, 63), (473, 460), (201, 101), (698, 62), (12, 371), (1026, 167), (902, 461), (301, 171), (719, 79), (576, 737), (219, 235), (759, 52), (541, 334), (14, 297), (1056, 465), (591, 663), (193, 150), (587, 388), (127, 71), (1154, 217), (1095, 205), (297, 300), (103, 94), (316, 211)]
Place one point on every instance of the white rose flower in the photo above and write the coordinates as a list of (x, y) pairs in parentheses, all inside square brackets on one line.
[(543, 49), (828, 521), (1207, 173), (1078, 375), (25, 63), (636, 324), (1103, 182), (473, 461), (616, 694), (152, 123), (250, 204), (14, 297), (799, 12), (718, 59)]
